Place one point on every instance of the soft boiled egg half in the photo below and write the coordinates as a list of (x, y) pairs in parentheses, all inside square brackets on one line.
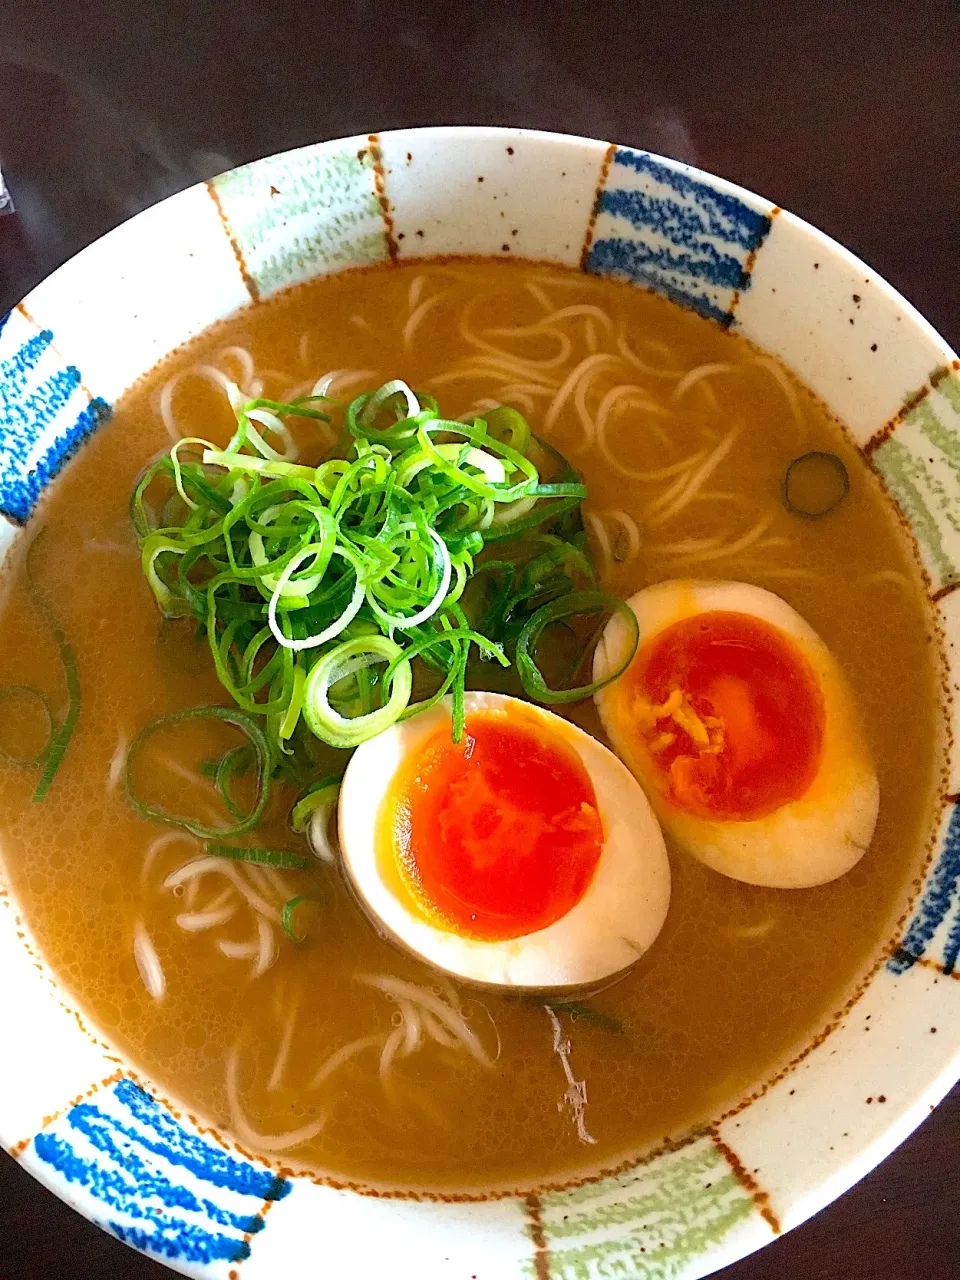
[(525, 855), (741, 727)]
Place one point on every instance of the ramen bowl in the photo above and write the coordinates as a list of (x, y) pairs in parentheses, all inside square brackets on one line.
[(89, 1124)]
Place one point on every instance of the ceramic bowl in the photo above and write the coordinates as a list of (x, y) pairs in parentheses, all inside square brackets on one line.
[(95, 1131)]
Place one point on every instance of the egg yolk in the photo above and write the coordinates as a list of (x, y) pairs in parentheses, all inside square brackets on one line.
[(731, 715), (496, 836)]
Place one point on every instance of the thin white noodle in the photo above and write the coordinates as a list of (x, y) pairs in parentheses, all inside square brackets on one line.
[(415, 290), (342, 1055), (243, 358), (267, 950), (631, 357), (685, 546), (583, 412), (244, 1130), (295, 390), (478, 408), (659, 514), (539, 295), (391, 1045), (453, 1021), (672, 492), (586, 309), (450, 992), (238, 950), (732, 548), (719, 495), (104, 546), (892, 576), (783, 382), (148, 962), (588, 364), (411, 1027), (697, 374), (208, 865), (156, 847), (595, 525), (417, 317), (624, 392), (525, 389), (489, 1016), (169, 390), (220, 900), (750, 931), (117, 761), (276, 881), (266, 418), (199, 921), (323, 385), (604, 415), (283, 1052), (436, 1032), (627, 525), (488, 367), (490, 349), (258, 877)]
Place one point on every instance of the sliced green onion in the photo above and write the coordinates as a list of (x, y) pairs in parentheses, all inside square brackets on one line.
[(285, 566), (287, 914), (258, 741), (578, 602), (282, 859), (63, 732), (815, 484), (322, 794), (347, 658)]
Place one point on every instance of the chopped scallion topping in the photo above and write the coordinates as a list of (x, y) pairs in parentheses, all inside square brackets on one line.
[(319, 586), (282, 859), (287, 914)]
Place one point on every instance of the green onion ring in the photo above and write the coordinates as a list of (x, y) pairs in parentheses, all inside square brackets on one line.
[(352, 655), (230, 715), (567, 606)]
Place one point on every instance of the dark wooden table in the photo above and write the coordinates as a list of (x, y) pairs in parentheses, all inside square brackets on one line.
[(846, 113)]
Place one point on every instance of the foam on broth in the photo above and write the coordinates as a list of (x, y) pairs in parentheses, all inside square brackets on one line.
[(740, 976)]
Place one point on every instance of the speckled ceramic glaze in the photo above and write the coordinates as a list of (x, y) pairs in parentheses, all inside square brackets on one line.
[(76, 1115)]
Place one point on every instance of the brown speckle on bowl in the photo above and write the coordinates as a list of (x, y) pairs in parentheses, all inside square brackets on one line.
[(480, 178), (509, 151)]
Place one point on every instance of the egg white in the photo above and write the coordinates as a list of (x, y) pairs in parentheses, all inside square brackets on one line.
[(616, 920), (806, 842)]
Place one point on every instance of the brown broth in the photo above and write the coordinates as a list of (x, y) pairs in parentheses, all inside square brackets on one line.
[(740, 978)]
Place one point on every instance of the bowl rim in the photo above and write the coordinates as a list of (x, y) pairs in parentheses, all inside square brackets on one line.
[(852, 1166)]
